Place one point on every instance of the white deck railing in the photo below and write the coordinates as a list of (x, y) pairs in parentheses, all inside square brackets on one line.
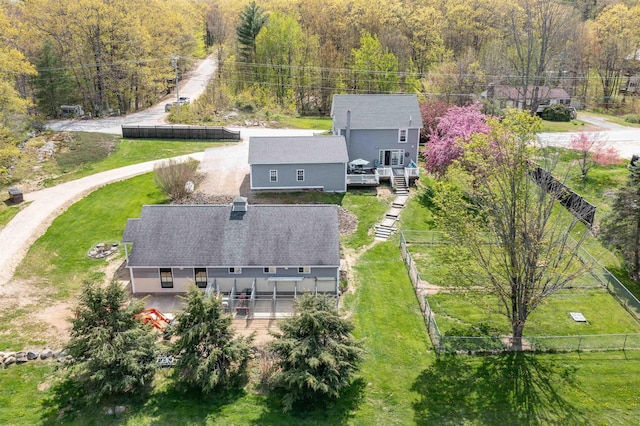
[(365, 179), (410, 172)]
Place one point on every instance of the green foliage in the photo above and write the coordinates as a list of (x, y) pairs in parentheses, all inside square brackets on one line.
[(557, 112), (632, 118), (173, 177), (53, 84), (621, 229), (375, 69), (113, 353), (252, 19), (8, 152), (316, 352), (210, 355)]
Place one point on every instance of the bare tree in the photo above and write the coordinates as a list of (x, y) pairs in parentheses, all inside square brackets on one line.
[(518, 243), (538, 31)]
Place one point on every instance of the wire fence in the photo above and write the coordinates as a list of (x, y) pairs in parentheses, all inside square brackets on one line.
[(497, 344)]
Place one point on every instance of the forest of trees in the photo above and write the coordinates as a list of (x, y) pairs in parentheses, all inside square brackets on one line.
[(115, 55)]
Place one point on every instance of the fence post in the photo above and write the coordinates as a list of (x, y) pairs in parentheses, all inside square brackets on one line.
[(579, 343), (624, 345)]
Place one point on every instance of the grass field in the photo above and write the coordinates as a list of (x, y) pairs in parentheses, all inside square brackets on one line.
[(7, 213), (566, 126), (463, 309)]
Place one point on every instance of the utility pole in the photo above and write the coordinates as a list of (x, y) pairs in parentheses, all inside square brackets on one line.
[(174, 62)]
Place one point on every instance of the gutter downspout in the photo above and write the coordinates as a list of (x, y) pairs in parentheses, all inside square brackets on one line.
[(348, 130)]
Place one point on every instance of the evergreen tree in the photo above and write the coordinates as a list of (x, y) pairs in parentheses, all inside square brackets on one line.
[(252, 19), (621, 229), (210, 355), (53, 83), (113, 353), (317, 355)]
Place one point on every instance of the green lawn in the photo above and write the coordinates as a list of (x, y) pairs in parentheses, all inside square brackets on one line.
[(313, 123), (59, 258), (127, 152), (566, 126), (7, 213)]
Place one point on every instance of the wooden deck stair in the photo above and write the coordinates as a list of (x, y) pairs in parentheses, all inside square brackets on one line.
[(400, 185)]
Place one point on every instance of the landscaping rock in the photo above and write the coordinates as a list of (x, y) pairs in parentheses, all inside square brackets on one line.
[(46, 354), (8, 361), (8, 354), (21, 359), (120, 409), (31, 355)]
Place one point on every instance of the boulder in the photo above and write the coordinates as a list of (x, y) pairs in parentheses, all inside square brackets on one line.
[(8, 361), (21, 359), (120, 409), (32, 355), (47, 353)]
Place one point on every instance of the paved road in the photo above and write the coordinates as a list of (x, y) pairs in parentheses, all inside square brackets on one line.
[(625, 139), (193, 86)]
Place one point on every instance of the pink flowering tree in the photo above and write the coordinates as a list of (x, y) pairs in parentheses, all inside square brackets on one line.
[(431, 112), (453, 132), (592, 149)]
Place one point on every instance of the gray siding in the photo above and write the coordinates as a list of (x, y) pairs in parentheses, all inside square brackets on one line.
[(147, 280), (330, 177), (366, 144)]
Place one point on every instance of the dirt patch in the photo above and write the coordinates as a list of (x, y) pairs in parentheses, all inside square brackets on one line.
[(261, 327), (44, 386)]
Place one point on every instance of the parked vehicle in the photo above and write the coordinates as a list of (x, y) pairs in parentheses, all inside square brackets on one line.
[(183, 100)]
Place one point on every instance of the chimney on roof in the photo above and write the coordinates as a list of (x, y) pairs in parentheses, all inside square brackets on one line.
[(239, 204), (347, 135)]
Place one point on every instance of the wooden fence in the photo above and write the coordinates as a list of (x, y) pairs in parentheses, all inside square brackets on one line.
[(180, 132)]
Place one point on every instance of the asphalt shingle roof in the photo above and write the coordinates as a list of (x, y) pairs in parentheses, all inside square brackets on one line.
[(298, 150), (376, 111), (209, 235)]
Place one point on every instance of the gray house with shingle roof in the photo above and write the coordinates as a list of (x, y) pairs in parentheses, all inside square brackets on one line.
[(382, 129), (299, 162), (258, 258)]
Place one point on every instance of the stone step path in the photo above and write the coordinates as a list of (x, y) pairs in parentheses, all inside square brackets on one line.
[(387, 227)]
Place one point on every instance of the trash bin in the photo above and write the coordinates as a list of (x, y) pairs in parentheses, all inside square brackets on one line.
[(15, 195)]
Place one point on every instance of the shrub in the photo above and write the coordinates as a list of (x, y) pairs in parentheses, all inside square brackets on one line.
[(172, 177), (556, 112), (632, 118)]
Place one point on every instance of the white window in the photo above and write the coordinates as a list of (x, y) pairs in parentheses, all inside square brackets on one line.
[(300, 175), (273, 175), (235, 270), (304, 270), (269, 270), (402, 136)]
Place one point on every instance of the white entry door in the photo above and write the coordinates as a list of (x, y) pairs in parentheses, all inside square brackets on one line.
[(391, 157)]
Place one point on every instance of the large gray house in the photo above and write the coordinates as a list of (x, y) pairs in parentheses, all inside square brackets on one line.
[(298, 162), (381, 129), (258, 258)]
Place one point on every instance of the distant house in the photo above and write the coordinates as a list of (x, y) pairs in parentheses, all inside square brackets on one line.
[(509, 96), (631, 86), (381, 129), (258, 258), (298, 162)]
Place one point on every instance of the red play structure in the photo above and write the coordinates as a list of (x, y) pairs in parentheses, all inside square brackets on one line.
[(154, 317)]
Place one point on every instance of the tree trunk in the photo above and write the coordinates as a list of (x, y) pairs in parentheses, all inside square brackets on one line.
[(516, 341)]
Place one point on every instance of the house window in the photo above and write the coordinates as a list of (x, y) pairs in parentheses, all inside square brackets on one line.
[(391, 157), (235, 270), (300, 175), (273, 175), (201, 277), (304, 270), (166, 278), (269, 270), (402, 136)]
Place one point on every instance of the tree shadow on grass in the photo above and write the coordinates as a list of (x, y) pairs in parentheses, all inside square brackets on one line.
[(514, 388), (329, 412), (172, 405)]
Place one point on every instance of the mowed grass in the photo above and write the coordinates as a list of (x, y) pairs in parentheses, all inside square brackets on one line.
[(7, 213), (125, 153), (566, 126), (402, 382), (314, 123), (59, 260), (465, 308)]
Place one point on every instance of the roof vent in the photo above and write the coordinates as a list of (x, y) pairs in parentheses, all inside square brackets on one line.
[(239, 204)]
